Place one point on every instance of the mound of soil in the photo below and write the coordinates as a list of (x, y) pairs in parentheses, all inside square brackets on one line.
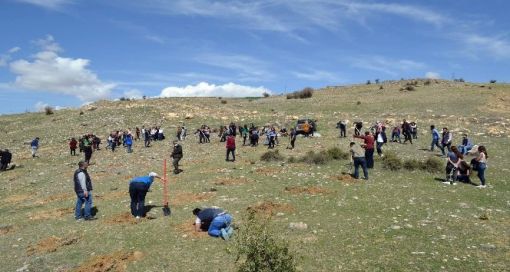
[(4, 229), (182, 198), (269, 208), (117, 262), (187, 229), (51, 244), (123, 218), (344, 178), (313, 190), (43, 215)]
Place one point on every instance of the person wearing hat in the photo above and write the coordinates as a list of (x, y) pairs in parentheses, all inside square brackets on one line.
[(83, 190), (138, 188), (176, 156)]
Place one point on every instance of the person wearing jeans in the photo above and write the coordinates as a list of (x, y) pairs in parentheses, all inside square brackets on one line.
[(215, 221), (83, 190), (138, 188), (435, 138), (482, 165), (358, 157), (369, 148), (231, 147)]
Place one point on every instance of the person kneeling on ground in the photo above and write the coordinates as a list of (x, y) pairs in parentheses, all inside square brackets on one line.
[(215, 221), (138, 188)]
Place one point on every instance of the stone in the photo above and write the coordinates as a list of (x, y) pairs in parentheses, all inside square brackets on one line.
[(298, 226)]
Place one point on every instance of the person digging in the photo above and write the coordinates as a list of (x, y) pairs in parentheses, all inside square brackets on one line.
[(138, 188)]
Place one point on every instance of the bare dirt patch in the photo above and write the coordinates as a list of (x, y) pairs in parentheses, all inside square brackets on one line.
[(123, 218), (268, 171), (182, 198), (54, 198), (6, 229), (346, 178), (231, 181), (269, 208), (57, 213), (313, 190), (117, 262), (187, 229), (51, 244), (14, 199)]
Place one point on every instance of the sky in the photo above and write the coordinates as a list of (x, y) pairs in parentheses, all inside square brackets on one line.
[(66, 53)]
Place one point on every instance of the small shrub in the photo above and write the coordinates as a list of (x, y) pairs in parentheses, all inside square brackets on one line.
[(391, 161), (292, 159), (381, 87), (493, 81), (432, 165), (48, 110), (358, 103), (368, 82), (305, 93), (81, 113), (338, 154), (272, 156), (410, 88), (321, 157), (257, 248), (223, 101), (427, 82), (411, 164), (265, 94)]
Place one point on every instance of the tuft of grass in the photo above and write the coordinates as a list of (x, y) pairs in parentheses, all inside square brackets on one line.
[(391, 161), (223, 101), (412, 164), (338, 154), (272, 156), (292, 159), (432, 165), (321, 157)]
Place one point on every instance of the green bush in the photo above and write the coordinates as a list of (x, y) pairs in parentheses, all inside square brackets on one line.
[(292, 159), (305, 93), (391, 161), (432, 165), (48, 110), (272, 156), (338, 154), (320, 157), (412, 164), (257, 248)]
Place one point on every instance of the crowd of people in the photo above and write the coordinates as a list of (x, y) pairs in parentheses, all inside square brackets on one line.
[(218, 222)]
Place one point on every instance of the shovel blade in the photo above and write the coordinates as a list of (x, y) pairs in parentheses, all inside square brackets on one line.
[(166, 210)]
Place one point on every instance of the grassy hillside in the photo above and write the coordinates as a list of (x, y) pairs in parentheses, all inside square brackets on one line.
[(397, 221)]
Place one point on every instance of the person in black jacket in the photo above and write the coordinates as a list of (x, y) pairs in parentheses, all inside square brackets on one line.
[(83, 190), (215, 221), (176, 156), (6, 157)]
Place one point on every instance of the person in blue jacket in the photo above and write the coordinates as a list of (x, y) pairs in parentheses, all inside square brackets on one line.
[(138, 188)]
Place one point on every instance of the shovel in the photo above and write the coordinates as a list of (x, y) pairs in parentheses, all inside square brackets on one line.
[(166, 208)]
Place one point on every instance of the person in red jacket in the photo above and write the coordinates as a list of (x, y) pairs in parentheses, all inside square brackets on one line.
[(72, 146), (231, 147), (369, 148)]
